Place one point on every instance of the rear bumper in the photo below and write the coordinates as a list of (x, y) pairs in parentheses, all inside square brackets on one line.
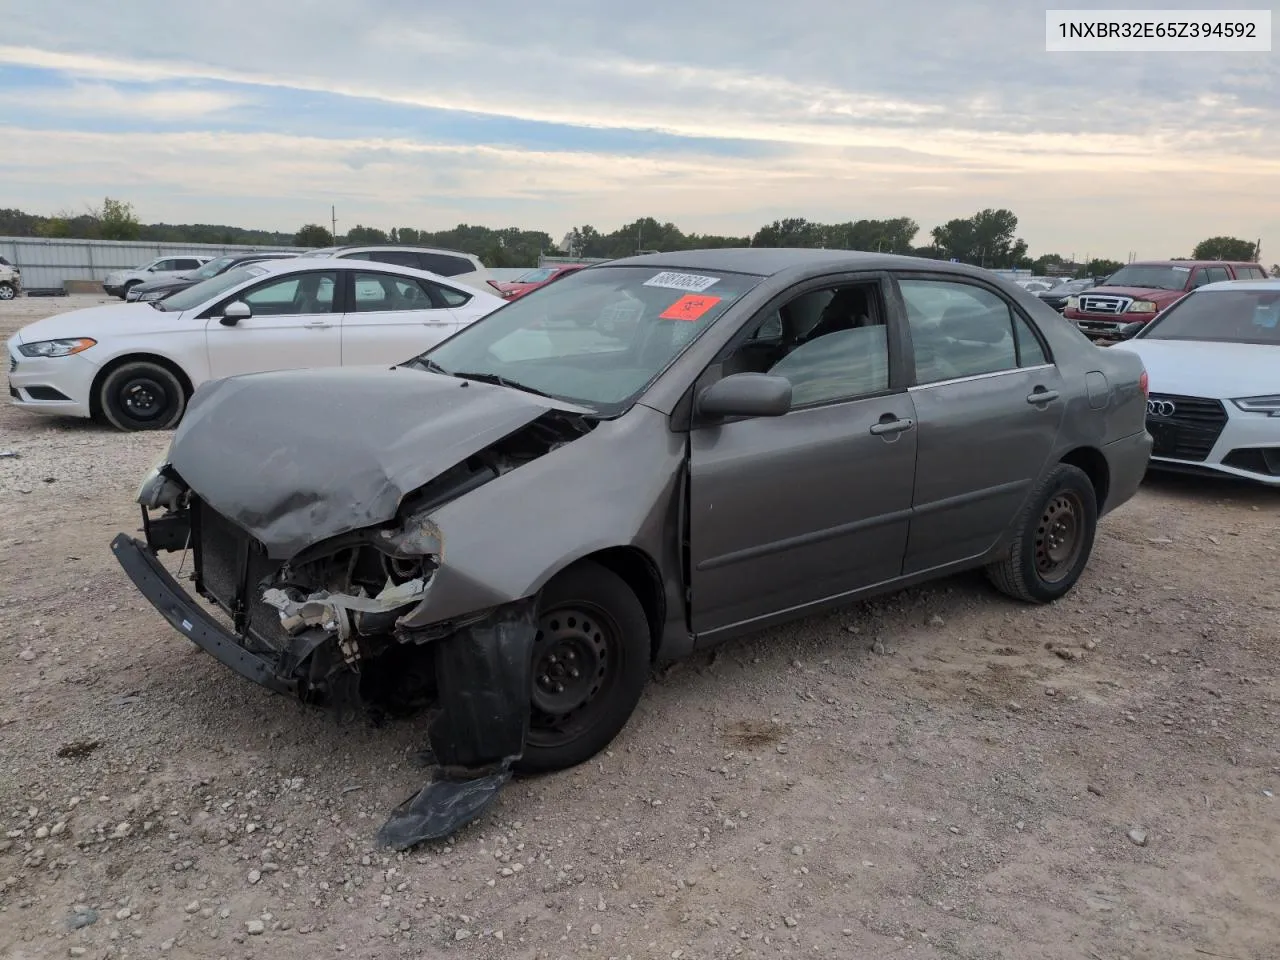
[(1127, 461), (165, 594)]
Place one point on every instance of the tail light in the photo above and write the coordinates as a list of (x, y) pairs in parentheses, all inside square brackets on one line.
[(1144, 384)]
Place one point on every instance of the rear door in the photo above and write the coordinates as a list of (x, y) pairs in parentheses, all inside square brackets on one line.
[(295, 324), (989, 402), (393, 318)]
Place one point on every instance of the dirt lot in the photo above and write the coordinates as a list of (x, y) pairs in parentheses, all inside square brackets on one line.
[(942, 773)]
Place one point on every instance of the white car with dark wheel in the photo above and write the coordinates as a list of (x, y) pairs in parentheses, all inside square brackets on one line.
[(135, 365), (1214, 365)]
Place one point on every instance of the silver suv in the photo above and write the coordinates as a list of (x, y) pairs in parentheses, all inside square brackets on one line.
[(119, 282), (10, 280)]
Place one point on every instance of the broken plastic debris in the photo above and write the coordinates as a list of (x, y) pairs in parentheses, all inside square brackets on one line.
[(440, 808)]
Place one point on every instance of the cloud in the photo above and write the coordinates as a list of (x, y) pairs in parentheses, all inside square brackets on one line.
[(685, 110), (102, 99)]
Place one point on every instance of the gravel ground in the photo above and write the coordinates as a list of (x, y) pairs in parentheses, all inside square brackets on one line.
[(941, 773)]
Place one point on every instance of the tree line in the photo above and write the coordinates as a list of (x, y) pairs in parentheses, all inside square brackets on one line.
[(987, 239)]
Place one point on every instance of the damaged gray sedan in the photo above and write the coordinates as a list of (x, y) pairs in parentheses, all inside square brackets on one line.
[(644, 459)]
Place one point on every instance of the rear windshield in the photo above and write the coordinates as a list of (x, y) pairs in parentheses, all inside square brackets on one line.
[(1222, 316), (1152, 278), (595, 337)]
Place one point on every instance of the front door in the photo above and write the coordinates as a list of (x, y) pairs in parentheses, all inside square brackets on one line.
[(989, 401), (393, 318), (294, 324), (787, 512)]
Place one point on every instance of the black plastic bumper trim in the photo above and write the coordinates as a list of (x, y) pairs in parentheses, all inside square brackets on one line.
[(175, 605)]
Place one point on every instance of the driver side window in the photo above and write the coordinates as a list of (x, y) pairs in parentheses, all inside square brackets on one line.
[(831, 344), (295, 294)]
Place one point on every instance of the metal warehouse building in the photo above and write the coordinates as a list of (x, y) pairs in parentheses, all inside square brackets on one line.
[(47, 265)]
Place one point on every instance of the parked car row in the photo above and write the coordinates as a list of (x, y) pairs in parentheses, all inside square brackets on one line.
[(169, 284), (135, 365)]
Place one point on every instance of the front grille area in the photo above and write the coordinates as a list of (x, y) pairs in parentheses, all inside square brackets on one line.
[(220, 556), (1263, 460), (1109, 305), (1184, 428)]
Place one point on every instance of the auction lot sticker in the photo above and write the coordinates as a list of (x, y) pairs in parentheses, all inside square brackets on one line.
[(689, 307), (691, 282)]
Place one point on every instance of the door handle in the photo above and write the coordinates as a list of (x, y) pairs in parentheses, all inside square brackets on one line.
[(317, 324), (888, 427), (1040, 395)]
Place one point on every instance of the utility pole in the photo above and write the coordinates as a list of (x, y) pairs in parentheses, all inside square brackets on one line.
[(333, 218)]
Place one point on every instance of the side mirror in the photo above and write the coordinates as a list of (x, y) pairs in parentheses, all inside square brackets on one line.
[(746, 395), (235, 311)]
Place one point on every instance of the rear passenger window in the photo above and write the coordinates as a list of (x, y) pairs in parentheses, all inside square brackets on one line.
[(450, 296), (960, 330), (1217, 274), (445, 265), (403, 258)]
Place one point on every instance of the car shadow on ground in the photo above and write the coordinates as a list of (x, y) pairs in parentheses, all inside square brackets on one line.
[(1198, 489)]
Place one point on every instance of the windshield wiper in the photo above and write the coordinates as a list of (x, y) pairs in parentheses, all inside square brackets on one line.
[(501, 382)]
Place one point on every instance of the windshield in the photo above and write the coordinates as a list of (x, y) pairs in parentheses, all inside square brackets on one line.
[(1152, 278), (1222, 316), (207, 289), (595, 337), (212, 268)]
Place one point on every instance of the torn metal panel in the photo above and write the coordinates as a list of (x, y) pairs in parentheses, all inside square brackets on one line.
[(484, 674), (343, 446)]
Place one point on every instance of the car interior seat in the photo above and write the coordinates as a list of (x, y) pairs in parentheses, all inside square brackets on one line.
[(850, 362)]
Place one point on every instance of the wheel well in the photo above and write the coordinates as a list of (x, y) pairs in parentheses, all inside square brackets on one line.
[(95, 404), (1094, 464), (640, 574)]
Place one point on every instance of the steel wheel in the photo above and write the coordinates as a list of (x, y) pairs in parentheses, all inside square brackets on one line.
[(1058, 536), (7, 292), (574, 662), (141, 395)]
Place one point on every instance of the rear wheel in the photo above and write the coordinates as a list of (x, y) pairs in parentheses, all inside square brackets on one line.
[(1053, 539), (7, 292), (142, 395), (590, 663)]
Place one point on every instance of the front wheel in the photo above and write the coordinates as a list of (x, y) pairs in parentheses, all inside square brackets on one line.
[(590, 663), (1053, 539), (141, 395), (7, 292)]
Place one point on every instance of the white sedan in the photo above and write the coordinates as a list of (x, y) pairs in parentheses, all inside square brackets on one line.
[(135, 365), (1213, 360)]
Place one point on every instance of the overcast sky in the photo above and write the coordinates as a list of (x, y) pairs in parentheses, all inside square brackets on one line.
[(717, 116)]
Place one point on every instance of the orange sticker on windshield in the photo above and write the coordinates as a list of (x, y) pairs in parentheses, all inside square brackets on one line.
[(690, 307)]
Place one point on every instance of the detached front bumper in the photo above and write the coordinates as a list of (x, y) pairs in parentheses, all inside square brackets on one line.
[(165, 594)]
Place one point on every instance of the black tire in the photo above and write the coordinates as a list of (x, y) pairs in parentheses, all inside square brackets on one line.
[(7, 291), (142, 395), (1053, 538), (124, 292), (590, 617)]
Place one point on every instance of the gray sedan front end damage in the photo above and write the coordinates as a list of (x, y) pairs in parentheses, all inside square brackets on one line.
[(350, 621)]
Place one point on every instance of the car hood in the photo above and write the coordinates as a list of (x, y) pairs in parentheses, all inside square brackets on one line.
[(295, 457), (92, 321), (1217, 370)]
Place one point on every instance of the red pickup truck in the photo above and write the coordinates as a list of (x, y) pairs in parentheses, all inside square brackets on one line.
[(1135, 294)]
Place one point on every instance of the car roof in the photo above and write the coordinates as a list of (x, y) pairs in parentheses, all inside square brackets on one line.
[(771, 261), (347, 248), (1272, 284), (303, 264), (1190, 263)]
